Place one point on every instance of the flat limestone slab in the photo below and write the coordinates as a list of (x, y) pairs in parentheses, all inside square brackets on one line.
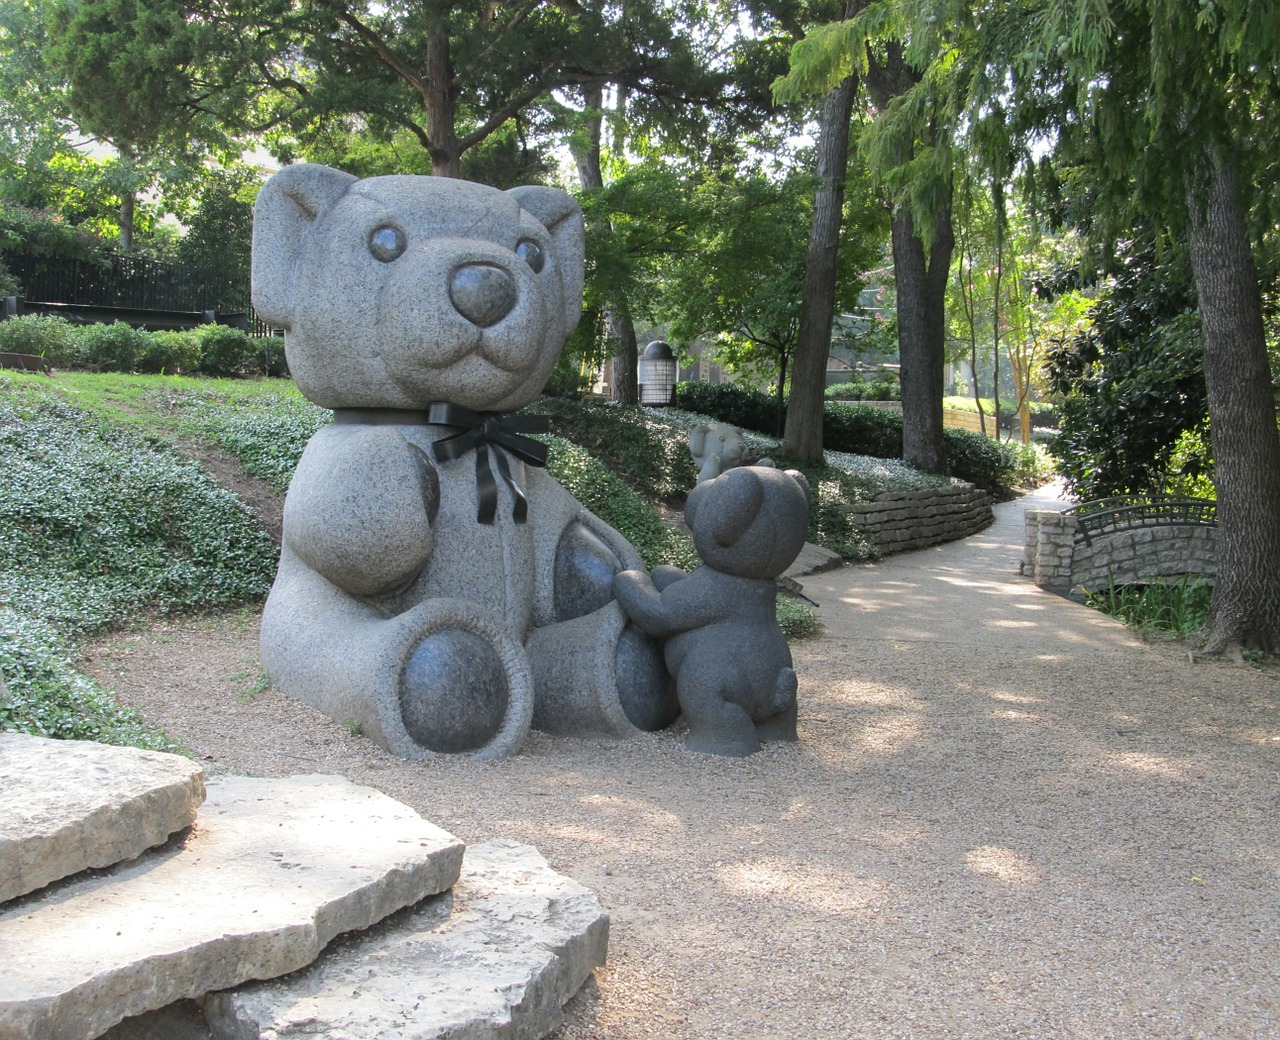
[(72, 805), (273, 870), (497, 958)]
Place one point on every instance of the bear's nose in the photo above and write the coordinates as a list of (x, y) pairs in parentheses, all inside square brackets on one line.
[(482, 293)]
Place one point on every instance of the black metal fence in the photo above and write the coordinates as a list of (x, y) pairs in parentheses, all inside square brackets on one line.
[(128, 282), (1124, 512)]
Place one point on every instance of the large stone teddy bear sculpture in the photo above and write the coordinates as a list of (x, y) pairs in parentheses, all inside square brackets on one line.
[(437, 588), (731, 662)]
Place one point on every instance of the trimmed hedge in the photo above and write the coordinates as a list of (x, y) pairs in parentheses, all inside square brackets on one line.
[(51, 338), (865, 390), (212, 350), (861, 430), (732, 404)]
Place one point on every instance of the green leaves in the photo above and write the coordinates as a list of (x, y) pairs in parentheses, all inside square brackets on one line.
[(819, 61), (1132, 383), (48, 697)]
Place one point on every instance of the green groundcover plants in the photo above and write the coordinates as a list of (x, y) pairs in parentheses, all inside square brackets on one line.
[(103, 521), (97, 526)]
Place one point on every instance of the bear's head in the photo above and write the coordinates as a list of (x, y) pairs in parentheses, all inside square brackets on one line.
[(401, 291), (716, 439), (751, 521)]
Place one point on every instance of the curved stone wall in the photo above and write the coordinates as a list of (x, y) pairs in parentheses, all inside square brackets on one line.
[(897, 521)]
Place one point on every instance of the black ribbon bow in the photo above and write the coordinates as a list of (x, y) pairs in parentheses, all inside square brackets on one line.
[(479, 430)]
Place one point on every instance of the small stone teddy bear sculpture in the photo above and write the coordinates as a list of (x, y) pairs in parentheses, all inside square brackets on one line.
[(437, 589), (715, 448), (730, 660)]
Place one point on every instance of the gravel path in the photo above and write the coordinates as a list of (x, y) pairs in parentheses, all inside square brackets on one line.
[(1004, 818)]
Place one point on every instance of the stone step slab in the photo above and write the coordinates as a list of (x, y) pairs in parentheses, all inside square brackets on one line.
[(73, 805), (496, 958), (272, 871)]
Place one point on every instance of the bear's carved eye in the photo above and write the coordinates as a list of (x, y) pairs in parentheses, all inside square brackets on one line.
[(386, 243), (531, 253)]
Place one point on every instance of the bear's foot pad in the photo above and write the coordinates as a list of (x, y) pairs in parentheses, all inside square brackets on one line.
[(454, 694)]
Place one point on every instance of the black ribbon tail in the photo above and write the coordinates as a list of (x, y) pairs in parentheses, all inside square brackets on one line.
[(486, 486), (520, 508)]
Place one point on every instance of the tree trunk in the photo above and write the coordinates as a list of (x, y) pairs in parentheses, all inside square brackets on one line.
[(622, 331), (1245, 612), (584, 145), (922, 289), (441, 105), (128, 209), (803, 438), (997, 202), (780, 418)]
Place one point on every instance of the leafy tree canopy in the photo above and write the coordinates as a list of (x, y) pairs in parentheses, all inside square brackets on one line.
[(449, 75)]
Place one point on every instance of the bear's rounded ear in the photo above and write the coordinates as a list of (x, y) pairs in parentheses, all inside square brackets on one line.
[(698, 438), (803, 481), (737, 495), (559, 213), (286, 206)]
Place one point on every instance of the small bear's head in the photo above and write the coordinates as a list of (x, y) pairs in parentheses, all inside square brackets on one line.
[(401, 291), (751, 521), (717, 439)]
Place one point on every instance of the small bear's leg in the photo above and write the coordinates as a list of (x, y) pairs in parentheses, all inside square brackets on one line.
[(598, 674), (716, 726), (782, 725)]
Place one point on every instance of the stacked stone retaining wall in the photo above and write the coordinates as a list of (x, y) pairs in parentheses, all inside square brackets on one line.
[(1057, 560), (897, 521)]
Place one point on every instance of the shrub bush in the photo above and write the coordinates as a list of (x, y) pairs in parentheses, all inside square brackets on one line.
[(865, 390), (111, 348), (170, 353), (226, 351), (276, 365), (732, 404), (625, 510), (51, 338), (980, 460), (859, 430), (650, 455), (796, 620)]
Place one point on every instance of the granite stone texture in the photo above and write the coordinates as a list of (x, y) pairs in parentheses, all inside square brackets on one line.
[(497, 957), (272, 872), (425, 552), (729, 658), (72, 805)]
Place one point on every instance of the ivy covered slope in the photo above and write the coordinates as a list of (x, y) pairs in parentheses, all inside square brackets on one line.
[(97, 525), (103, 520)]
